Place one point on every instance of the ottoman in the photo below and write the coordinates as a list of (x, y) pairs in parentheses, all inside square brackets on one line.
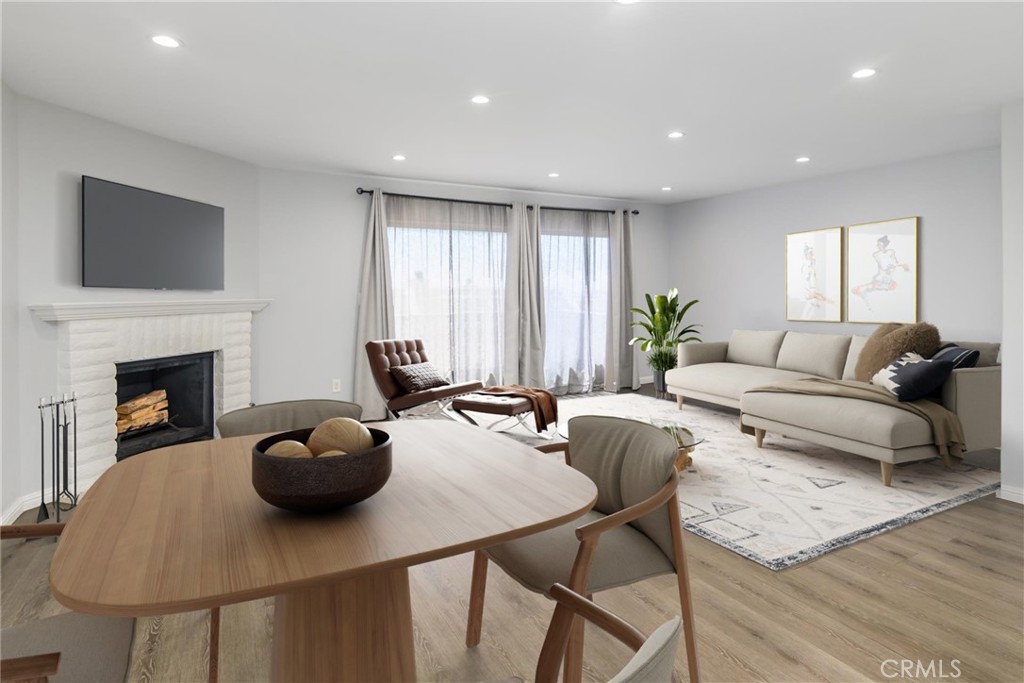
[(494, 404)]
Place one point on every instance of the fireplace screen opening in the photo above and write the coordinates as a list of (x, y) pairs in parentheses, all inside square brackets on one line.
[(164, 401)]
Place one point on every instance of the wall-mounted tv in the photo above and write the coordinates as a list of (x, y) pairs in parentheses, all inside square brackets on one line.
[(140, 239)]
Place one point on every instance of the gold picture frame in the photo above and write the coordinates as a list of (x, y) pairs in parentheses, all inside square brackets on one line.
[(814, 275), (882, 271)]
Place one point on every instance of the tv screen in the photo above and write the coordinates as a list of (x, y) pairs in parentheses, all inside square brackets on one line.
[(140, 239)]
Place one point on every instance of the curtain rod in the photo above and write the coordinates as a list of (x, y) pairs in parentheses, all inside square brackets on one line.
[(360, 190)]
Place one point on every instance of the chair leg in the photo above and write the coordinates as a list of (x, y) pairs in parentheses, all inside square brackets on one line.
[(214, 643), (476, 599), (683, 579), (573, 671)]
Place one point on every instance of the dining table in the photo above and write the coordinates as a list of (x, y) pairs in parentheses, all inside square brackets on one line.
[(181, 528)]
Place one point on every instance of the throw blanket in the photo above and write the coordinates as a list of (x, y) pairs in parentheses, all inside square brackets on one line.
[(947, 432), (545, 407)]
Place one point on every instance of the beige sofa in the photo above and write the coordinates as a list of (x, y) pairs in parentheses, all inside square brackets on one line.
[(722, 373)]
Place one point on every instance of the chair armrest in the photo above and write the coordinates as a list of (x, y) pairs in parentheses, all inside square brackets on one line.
[(974, 395), (560, 447), (30, 530), (594, 613), (633, 512), (34, 668), (701, 352)]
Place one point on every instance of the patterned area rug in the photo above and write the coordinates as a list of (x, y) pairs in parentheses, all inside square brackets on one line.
[(790, 501)]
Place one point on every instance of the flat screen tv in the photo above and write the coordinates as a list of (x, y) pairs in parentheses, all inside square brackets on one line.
[(140, 239)]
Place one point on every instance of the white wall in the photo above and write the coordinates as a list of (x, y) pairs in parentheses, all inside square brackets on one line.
[(8, 284), (1012, 457), (53, 147), (728, 251), (312, 230)]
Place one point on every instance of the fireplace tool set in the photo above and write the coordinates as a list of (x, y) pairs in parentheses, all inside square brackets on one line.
[(59, 417)]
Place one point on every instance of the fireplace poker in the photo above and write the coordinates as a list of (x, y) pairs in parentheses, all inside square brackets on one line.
[(43, 512)]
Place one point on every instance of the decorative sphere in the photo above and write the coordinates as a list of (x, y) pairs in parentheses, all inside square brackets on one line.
[(328, 454), (341, 434), (290, 449)]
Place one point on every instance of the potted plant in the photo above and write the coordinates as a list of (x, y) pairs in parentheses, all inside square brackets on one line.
[(662, 322)]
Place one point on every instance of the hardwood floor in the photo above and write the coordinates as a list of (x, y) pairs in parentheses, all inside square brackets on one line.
[(950, 587)]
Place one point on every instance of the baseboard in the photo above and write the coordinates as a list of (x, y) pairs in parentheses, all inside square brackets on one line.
[(1014, 495), (30, 501)]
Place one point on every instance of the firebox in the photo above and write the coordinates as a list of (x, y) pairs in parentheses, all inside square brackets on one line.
[(188, 383)]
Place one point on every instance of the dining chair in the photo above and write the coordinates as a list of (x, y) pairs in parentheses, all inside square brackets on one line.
[(390, 358), (66, 647), (655, 656), (72, 646), (633, 532), (284, 416)]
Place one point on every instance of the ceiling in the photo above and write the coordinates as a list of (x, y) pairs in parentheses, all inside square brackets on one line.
[(587, 90)]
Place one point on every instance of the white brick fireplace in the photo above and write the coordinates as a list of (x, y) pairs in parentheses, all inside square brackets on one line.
[(93, 337)]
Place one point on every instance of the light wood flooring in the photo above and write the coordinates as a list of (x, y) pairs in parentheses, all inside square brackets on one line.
[(950, 587)]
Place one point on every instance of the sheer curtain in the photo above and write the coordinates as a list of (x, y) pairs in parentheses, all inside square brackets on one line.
[(524, 303), (448, 264), (376, 310), (575, 265)]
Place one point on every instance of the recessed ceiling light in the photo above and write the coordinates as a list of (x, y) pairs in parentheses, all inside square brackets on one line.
[(676, 134), (166, 41), (666, 189), (399, 157), (802, 160), (864, 73), (480, 99), (552, 175)]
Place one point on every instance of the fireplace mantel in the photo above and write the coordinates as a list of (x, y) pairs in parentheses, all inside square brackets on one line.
[(135, 309)]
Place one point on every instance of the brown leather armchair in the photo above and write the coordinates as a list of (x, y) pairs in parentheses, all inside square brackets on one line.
[(388, 353)]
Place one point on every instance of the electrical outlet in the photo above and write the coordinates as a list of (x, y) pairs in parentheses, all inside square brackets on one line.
[(336, 385)]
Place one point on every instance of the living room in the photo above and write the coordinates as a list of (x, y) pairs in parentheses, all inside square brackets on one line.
[(225, 120)]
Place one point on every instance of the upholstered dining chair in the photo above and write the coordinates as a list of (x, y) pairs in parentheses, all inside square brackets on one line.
[(405, 379), (284, 416), (655, 656), (66, 647), (634, 531)]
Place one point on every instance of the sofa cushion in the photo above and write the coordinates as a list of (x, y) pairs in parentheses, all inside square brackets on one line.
[(989, 352), (823, 355), (892, 340), (864, 421), (856, 344), (728, 380), (911, 377), (754, 347)]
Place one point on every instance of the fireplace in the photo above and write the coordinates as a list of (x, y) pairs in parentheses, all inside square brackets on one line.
[(188, 381)]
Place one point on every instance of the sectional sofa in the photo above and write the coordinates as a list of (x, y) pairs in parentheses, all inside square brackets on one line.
[(724, 373)]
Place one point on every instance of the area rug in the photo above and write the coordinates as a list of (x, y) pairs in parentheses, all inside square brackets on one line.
[(790, 501)]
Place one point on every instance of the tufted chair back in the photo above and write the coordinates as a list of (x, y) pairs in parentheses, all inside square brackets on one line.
[(389, 353)]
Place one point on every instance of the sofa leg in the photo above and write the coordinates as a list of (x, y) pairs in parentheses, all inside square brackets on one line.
[(759, 436), (679, 401), (886, 473)]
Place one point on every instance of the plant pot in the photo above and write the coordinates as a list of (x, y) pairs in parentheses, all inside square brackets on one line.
[(659, 381)]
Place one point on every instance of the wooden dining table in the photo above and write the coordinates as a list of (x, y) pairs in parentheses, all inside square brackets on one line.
[(181, 529)]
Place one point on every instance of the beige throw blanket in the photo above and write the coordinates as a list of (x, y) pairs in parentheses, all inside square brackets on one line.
[(545, 405), (947, 431)]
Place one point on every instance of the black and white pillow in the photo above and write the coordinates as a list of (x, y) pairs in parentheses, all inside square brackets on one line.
[(911, 376), (418, 377), (960, 357)]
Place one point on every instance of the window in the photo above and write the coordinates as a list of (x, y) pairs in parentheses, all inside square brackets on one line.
[(574, 260), (448, 281)]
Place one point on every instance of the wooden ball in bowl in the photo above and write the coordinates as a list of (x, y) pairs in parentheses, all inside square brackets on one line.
[(320, 484)]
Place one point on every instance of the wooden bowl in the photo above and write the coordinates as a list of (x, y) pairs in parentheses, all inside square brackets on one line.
[(320, 484)]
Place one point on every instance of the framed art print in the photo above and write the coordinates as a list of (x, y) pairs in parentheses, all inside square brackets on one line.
[(814, 280), (881, 271)]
